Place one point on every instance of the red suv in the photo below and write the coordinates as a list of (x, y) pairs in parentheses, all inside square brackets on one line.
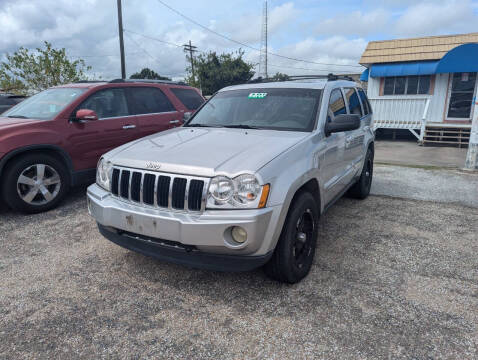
[(53, 140)]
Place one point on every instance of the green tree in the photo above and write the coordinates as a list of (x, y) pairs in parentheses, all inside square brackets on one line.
[(280, 77), (27, 71), (213, 71), (147, 73)]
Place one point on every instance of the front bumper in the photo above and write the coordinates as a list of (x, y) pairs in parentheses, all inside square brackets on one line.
[(207, 232), (183, 255)]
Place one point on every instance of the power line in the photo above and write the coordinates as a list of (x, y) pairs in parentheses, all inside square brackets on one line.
[(139, 46), (152, 38), (100, 56), (181, 46), (246, 45), (151, 56), (308, 69)]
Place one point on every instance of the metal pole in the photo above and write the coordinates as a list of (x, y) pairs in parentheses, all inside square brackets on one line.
[(191, 49), (120, 29), (192, 60), (267, 76), (471, 162)]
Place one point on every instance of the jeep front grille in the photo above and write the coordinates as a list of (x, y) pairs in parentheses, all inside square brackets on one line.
[(159, 189)]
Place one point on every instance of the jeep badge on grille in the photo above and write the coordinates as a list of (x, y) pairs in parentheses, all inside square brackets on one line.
[(153, 166)]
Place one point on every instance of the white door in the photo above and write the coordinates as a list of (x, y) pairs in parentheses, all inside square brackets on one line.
[(461, 92)]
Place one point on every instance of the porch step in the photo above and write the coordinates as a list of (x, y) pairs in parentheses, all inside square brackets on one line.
[(446, 136)]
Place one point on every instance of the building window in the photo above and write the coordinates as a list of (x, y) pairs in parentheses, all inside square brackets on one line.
[(407, 85)]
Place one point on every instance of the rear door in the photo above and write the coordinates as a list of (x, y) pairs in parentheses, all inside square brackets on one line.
[(153, 110), (114, 127), (354, 139)]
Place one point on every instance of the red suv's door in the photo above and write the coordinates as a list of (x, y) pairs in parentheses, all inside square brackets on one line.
[(114, 127), (154, 111)]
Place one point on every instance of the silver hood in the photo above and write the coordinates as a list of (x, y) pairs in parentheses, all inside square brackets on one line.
[(205, 151)]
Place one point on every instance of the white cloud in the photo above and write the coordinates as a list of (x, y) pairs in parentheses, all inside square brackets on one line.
[(357, 22), (433, 18)]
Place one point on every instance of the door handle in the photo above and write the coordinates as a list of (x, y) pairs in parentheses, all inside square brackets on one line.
[(126, 127), (174, 121)]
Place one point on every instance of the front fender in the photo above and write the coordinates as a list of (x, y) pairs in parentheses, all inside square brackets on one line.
[(287, 174)]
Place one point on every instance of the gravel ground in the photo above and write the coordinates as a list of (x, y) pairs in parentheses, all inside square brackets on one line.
[(455, 186), (393, 278)]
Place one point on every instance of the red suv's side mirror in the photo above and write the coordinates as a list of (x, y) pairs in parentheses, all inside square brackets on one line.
[(83, 115)]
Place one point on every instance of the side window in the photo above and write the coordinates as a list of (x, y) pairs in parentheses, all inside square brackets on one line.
[(107, 103), (354, 102), (336, 104), (189, 97), (147, 100), (363, 97)]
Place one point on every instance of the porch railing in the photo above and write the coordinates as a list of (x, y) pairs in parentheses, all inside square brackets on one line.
[(400, 113)]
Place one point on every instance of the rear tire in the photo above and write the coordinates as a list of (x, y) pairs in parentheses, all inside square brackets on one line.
[(294, 253), (361, 189), (35, 183)]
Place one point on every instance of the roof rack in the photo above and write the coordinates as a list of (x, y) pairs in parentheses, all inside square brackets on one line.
[(89, 81), (147, 81), (329, 77)]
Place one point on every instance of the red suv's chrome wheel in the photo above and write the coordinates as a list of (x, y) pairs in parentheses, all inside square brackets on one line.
[(38, 184)]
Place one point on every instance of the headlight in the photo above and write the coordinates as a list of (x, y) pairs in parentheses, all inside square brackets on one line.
[(244, 191), (103, 174), (221, 189)]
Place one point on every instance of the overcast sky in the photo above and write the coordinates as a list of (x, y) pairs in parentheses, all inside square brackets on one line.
[(320, 31)]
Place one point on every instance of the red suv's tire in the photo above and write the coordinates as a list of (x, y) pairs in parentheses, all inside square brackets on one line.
[(35, 183)]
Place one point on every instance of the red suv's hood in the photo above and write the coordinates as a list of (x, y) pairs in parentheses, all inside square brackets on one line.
[(6, 122)]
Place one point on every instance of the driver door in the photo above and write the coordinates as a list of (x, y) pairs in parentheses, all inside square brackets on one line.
[(114, 127)]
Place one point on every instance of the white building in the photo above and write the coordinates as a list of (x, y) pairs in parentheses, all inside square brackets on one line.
[(426, 85)]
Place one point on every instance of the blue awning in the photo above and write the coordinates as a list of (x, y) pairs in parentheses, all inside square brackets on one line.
[(463, 58), (364, 76), (404, 68)]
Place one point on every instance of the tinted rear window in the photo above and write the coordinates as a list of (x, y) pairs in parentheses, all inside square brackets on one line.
[(4, 100), (189, 97), (149, 101)]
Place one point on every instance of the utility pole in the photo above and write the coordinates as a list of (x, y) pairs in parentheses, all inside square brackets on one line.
[(472, 155), (191, 49), (120, 29), (263, 53)]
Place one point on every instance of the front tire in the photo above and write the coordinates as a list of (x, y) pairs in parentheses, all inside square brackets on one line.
[(295, 250), (35, 183)]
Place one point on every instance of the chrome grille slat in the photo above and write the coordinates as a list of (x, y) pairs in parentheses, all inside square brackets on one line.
[(184, 196), (141, 188)]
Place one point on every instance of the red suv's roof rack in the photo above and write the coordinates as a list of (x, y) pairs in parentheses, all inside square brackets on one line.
[(148, 81)]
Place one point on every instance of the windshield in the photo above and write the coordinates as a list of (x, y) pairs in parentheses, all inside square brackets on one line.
[(44, 105), (271, 109)]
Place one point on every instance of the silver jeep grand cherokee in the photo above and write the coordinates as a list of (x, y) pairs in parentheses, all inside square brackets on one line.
[(243, 183)]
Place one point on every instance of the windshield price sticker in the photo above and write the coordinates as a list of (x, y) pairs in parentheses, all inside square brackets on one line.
[(257, 95)]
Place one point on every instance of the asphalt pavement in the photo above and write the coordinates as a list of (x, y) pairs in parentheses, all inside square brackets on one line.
[(394, 277)]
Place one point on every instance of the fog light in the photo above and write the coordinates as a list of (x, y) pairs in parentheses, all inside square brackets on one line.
[(239, 234)]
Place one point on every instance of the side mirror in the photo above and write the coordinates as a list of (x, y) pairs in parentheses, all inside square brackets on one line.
[(342, 122), (84, 115), (187, 116)]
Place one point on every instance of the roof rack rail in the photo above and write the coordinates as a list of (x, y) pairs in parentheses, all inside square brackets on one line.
[(147, 81), (329, 77), (89, 81)]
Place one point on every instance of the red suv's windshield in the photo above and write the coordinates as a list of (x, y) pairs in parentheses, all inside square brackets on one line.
[(44, 105)]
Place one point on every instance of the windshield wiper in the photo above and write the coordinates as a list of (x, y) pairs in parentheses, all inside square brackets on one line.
[(202, 125), (241, 126), (18, 116)]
